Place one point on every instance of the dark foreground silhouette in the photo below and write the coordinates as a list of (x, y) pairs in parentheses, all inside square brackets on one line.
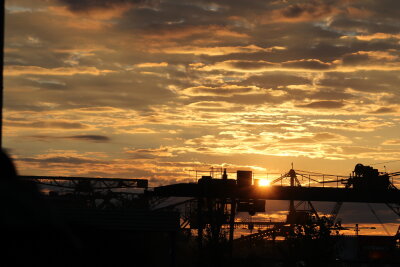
[(38, 232), (56, 231)]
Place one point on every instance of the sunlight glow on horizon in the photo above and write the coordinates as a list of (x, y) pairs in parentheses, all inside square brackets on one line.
[(264, 182)]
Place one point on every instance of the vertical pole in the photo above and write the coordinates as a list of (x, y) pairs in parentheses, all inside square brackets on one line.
[(232, 225), (323, 180), (292, 177), (292, 209), (200, 225), (337, 181), (309, 180), (1, 70)]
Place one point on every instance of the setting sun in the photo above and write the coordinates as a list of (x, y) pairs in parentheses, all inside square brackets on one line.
[(264, 182)]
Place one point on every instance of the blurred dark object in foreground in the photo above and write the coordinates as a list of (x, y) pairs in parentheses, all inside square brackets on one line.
[(38, 229), (31, 232)]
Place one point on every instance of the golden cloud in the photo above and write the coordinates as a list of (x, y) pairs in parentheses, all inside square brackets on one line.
[(152, 65), (62, 71), (225, 90), (214, 50)]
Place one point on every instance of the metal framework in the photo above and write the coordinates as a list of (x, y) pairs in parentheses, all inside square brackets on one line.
[(93, 193), (366, 185), (88, 183), (213, 203)]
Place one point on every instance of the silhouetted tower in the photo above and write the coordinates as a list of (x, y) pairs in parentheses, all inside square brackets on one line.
[(292, 209), (224, 175)]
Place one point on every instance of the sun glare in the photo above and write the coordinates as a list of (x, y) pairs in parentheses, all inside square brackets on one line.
[(263, 182)]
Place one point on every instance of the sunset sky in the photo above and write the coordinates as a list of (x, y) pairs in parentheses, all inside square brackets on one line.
[(153, 89)]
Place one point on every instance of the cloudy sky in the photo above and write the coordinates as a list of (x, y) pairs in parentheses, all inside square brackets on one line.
[(153, 89)]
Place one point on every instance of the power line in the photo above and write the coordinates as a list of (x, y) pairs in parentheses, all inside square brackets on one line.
[(379, 220), (384, 162), (318, 173)]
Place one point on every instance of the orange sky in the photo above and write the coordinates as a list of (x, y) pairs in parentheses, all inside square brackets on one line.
[(152, 89)]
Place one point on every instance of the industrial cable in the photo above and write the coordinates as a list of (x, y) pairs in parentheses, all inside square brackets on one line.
[(318, 173), (379, 220), (393, 174), (384, 162), (306, 177)]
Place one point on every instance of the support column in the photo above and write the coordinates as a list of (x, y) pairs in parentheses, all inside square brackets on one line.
[(292, 210), (232, 225), (200, 224)]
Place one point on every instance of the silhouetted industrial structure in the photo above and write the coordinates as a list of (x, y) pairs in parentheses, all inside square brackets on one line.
[(128, 212), (218, 200)]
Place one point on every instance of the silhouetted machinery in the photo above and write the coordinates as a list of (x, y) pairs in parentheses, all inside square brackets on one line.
[(365, 179), (214, 203), (252, 206), (368, 178), (244, 179), (214, 207)]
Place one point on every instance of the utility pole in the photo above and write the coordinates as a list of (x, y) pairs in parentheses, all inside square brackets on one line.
[(1, 70), (292, 209), (232, 225)]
